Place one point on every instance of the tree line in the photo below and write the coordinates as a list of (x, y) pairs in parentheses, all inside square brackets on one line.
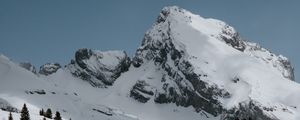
[(46, 114)]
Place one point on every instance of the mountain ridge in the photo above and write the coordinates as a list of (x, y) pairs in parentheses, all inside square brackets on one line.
[(187, 65)]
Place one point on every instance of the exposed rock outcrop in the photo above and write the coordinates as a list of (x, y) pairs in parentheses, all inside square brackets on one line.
[(49, 68), (141, 91), (98, 67)]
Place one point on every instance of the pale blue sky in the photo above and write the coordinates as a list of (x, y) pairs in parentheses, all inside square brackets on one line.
[(43, 31)]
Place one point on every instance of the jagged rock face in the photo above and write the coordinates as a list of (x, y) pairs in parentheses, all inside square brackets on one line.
[(181, 85), (185, 79), (232, 38), (28, 66), (251, 110), (141, 91), (49, 68), (98, 67)]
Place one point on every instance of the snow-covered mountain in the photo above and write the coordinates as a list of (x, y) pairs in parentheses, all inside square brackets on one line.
[(188, 67)]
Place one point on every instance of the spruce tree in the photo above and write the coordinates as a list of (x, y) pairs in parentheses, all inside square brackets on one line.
[(57, 116), (25, 113), (48, 113), (10, 116), (42, 113)]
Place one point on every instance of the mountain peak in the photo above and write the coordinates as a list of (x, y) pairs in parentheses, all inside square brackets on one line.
[(205, 25), (205, 59), (201, 65), (191, 33)]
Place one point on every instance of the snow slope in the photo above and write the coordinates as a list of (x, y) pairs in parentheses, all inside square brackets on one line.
[(77, 99), (188, 67)]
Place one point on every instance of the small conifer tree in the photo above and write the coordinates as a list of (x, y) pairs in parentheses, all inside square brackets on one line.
[(48, 113), (57, 116), (25, 113), (10, 116), (42, 113)]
